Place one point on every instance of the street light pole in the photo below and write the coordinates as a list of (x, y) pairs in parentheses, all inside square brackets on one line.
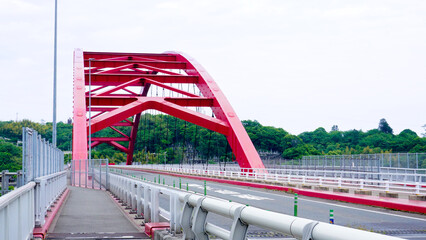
[(90, 108), (54, 79)]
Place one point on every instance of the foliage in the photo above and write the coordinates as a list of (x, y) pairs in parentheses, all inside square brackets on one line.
[(163, 138), (384, 126), (10, 157)]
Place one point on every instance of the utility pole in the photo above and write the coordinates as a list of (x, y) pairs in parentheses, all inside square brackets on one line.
[(54, 79)]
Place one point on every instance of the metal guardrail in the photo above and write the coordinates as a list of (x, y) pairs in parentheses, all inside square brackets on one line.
[(17, 213), (5, 176), (90, 173), (48, 189), (358, 180), (188, 211), (25, 207)]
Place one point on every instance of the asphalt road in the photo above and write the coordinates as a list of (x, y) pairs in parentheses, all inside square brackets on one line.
[(401, 224)]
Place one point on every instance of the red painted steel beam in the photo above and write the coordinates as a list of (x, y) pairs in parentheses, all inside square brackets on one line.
[(116, 107), (133, 135), (153, 56), (242, 147), (79, 134), (119, 87), (109, 139), (117, 63), (117, 79), (118, 146), (119, 132), (150, 81), (143, 104)]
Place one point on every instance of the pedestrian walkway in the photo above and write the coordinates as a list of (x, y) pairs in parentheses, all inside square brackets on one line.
[(92, 214)]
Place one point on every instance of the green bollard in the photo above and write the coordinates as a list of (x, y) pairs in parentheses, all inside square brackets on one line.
[(205, 188), (187, 188), (155, 180), (295, 204), (174, 183), (331, 216), (164, 181), (180, 183)]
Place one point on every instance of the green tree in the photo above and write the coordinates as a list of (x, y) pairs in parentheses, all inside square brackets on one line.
[(384, 126)]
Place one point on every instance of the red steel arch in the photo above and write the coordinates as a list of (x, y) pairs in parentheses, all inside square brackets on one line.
[(113, 104)]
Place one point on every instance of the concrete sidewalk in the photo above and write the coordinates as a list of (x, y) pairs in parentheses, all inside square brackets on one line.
[(92, 213)]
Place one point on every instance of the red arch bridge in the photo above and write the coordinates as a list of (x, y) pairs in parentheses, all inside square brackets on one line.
[(91, 199)]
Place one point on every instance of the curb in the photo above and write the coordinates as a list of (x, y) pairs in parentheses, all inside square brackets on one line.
[(40, 232)]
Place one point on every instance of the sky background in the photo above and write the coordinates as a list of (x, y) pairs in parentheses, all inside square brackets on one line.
[(298, 65)]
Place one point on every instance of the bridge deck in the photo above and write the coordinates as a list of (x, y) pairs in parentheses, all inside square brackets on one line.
[(90, 214)]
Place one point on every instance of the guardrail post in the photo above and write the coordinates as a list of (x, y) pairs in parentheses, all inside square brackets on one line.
[(155, 211), (199, 221), (387, 186), (138, 200), (185, 220), (239, 228), (135, 197), (4, 182), (339, 182), (146, 209), (417, 187), (361, 184), (19, 178)]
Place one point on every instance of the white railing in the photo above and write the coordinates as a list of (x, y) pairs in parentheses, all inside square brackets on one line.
[(89, 173), (48, 189), (397, 182), (17, 213), (144, 198), (189, 211)]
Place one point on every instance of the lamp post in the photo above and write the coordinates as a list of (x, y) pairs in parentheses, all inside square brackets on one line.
[(90, 109), (54, 79)]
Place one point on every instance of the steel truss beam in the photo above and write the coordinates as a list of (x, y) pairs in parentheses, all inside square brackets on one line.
[(114, 77)]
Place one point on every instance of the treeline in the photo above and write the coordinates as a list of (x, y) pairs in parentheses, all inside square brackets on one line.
[(163, 138)]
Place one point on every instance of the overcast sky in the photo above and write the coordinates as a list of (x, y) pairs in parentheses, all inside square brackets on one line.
[(298, 65)]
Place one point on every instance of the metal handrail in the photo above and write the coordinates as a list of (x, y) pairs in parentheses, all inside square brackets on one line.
[(192, 209), (386, 183), (17, 211)]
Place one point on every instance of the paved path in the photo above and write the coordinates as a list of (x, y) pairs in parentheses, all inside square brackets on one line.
[(91, 213)]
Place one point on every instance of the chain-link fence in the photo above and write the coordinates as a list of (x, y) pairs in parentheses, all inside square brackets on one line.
[(364, 162)]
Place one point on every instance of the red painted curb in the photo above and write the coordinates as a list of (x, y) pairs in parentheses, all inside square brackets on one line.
[(391, 203), (41, 231)]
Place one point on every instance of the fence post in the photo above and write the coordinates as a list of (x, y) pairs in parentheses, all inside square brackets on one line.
[(417, 187), (155, 211), (4, 182), (146, 210)]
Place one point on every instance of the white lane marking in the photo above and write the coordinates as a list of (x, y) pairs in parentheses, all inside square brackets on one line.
[(251, 197), (200, 186), (226, 192), (333, 204)]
